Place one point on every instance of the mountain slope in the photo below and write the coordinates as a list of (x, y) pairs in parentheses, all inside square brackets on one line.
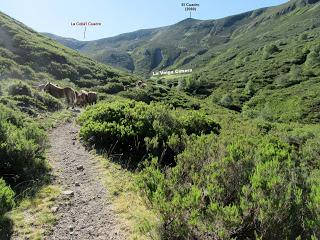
[(264, 63), (183, 43), (25, 54), (271, 69)]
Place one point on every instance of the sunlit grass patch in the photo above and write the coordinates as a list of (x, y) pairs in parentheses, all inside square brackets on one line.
[(33, 217), (53, 119), (140, 221)]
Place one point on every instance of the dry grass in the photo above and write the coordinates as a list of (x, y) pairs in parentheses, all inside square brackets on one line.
[(128, 202), (33, 217), (50, 120)]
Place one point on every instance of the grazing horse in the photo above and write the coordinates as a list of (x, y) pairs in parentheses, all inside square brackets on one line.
[(58, 92), (92, 97), (82, 98), (85, 98)]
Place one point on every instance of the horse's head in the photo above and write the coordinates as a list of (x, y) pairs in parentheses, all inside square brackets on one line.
[(47, 87)]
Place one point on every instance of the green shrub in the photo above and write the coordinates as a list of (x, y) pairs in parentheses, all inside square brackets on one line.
[(137, 94), (197, 122), (303, 36), (6, 197), (196, 84), (60, 70), (88, 83), (249, 89), (268, 50), (22, 145), (11, 116), (138, 129), (31, 101), (19, 89), (313, 59), (226, 100), (245, 188), (28, 105), (50, 102), (111, 88), (295, 76), (28, 72)]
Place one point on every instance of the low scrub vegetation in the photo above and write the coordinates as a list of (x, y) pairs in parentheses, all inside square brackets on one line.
[(22, 140), (19, 89), (111, 88), (244, 180), (6, 197), (21, 96), (246, 188), (138, 130), (22, 146)]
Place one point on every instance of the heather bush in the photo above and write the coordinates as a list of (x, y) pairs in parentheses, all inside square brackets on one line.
[(19, 89), (22, 145), (139, 129), (6, 197), (244, 188)]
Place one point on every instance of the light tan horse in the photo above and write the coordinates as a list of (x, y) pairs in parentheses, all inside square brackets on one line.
[(58, 92)]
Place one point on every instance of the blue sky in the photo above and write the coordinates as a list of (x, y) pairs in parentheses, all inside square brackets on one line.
[(117, 16)]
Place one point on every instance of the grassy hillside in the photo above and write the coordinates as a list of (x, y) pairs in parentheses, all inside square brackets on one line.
[(272, 71), (264, 63), (25, 54), (193, 43)]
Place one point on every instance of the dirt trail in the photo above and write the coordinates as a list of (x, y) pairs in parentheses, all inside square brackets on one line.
[(83, 211)]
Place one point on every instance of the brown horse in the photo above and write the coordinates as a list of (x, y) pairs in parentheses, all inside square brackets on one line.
[(86, 98), (58, 92), (82, 98), (92, 97)]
